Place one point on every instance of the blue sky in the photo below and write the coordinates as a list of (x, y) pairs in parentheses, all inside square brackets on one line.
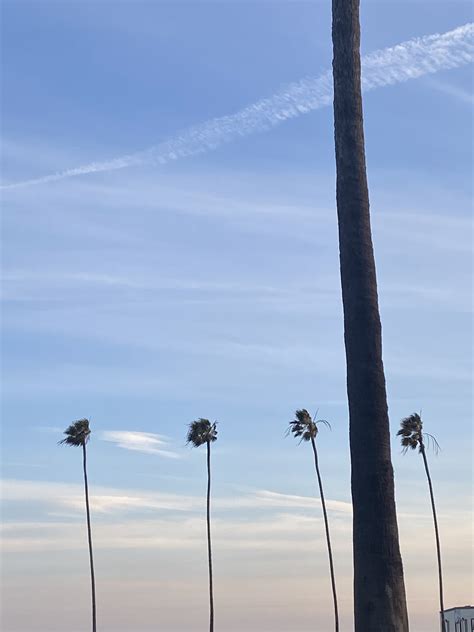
[(147, 296)]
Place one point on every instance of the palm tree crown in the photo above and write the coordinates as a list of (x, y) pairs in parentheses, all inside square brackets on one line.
[(201, 431), (77, 434), (411, 432), (305, 426)]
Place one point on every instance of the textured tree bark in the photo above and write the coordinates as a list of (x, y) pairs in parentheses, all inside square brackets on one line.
[(209, 551), (379, 592), (328, 538), (89, 536), (438, 546)]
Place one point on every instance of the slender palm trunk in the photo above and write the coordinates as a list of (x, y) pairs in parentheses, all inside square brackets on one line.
[(379, 591), (328, 539), (438, 546), (209, 550), (89, 535)]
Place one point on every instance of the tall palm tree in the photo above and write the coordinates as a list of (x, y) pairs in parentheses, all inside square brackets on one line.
[(379, 591), (199, 432), (306, 428), (77, 435), (412, 436)]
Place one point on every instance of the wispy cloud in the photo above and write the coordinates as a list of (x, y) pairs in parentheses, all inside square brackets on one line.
[(60, 497), (451, 90), (147, 442), (275, 499), (50, 429), (140, 282), (176, 522), (265, 533), (284, 541), (408, 60)]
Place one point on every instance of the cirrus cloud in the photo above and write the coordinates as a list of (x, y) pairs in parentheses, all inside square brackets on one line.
[(147, 442), (405, 61)]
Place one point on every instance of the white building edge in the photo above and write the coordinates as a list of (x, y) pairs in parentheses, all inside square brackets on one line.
[(459, 619)]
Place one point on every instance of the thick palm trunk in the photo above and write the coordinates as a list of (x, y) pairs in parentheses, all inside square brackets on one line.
[(379, 592), (438, 546), (209, 550), (328, 539), (89, 535)]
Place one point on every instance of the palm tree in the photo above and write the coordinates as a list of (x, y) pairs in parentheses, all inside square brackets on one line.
[(306, 428), (203, 431), (379, 591), (411, 432), (77, 435)]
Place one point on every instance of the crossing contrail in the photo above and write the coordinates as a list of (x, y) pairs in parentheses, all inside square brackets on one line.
[(408, 60)]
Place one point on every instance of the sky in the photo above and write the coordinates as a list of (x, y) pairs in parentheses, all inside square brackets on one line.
[(169, 251)]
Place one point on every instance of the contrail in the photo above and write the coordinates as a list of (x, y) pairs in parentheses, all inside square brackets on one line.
[(408, 60)]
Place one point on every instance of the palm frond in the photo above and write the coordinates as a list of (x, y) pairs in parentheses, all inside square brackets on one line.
[(77, 434), (323, 421), (201, 431), (432, 442)]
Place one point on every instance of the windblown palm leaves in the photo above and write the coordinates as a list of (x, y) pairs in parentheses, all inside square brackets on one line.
[(77, 434), (201, 431), (305, 428), (413, 436)]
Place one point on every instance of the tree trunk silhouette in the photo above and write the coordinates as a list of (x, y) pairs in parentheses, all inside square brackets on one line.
[(209, 550), (328, 539), (438, 546), (379, 592), (89, 536)]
